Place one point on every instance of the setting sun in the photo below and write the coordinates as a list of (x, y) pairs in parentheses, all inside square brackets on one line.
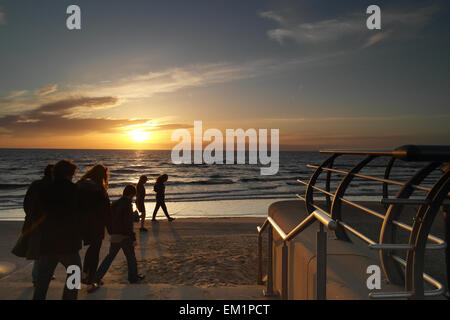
[(139, 135)]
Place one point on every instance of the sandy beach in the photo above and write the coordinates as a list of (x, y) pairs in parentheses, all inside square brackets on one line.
[(193, 259), (185, 259)]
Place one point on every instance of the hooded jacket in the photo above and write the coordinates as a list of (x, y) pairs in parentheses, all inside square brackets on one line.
[(121, 218)]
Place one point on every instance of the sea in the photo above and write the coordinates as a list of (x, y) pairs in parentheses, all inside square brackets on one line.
[(193, 190)]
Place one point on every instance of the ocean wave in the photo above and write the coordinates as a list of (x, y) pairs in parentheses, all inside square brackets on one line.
[(8, 186), (179, 183), (11, 169), (268, 179), (204, 192), (250, 179), (263, 188), (118, 184), (140, 167), (299, 172), (124, 171), (207, 182)]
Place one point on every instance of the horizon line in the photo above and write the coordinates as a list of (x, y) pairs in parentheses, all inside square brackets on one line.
[(37, 148)]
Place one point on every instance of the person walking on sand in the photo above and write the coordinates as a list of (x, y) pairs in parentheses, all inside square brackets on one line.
[(61, 234), (28, 244), (160, 190), (94, 206), (120, 227), (140, 200)]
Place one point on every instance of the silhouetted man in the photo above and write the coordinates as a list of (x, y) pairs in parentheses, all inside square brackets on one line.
[(61, 236), (34, 215)]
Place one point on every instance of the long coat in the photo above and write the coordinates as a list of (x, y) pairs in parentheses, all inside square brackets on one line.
[(28, 244), (61, 228)]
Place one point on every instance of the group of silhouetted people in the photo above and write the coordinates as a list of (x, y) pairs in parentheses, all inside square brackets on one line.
[(61, 216)]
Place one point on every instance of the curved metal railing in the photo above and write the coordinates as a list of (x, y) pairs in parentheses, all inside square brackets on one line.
[(408, 272)]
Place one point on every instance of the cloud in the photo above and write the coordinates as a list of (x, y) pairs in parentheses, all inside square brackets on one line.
[(146, 85), (315, 32), (56, 118), (61, 126), (67, 110), (15, 94), (138, 87), (172, 126), (68, 106), (64, 118), (2, 17), (356, 119), (351, 27), (272, 15), (375, 38), (46, 90), (343, 141)]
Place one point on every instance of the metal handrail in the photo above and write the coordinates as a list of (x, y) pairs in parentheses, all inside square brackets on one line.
[(433, 293), (428, 206), (317, 215), (440, 243), (370, 178), (406, 153)]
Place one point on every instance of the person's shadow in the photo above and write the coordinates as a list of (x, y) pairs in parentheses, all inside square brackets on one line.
[(178, 239), (143, 242), (27, 294), (174, 231), (155, 231)]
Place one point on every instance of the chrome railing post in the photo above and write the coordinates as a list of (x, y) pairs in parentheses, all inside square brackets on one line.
[(415, 259), (389, 233), (336, 212), (387, 173), (321, 256), (284, 271), (260, 280), (269, 290)]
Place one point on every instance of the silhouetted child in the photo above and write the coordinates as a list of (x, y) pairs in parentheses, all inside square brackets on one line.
[(160, 190), (120, 227)]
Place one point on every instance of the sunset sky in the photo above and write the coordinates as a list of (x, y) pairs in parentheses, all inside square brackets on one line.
[(137, 70)]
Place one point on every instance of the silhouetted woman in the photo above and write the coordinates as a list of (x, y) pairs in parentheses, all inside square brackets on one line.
[(160, 190), (140, 200), (95, 206)]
